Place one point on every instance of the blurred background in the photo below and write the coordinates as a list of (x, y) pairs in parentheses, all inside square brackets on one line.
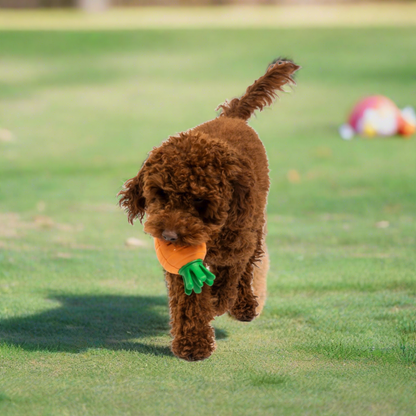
[(103, 4), (87, 89)]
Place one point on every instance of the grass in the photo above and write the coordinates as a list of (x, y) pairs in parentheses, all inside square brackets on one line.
[(84, 319)]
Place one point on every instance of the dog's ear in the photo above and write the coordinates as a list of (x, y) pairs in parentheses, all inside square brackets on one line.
[(242, 204), (132, 199)]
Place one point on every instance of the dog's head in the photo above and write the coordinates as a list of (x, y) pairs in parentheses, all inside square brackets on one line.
[(189, 188)]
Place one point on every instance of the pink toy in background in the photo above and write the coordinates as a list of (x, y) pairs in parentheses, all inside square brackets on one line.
[(379, 116)]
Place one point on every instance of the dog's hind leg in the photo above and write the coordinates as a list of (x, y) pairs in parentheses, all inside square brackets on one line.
[(245, 306), (224, 291), (260, 281), (252, 290), (252, 285)]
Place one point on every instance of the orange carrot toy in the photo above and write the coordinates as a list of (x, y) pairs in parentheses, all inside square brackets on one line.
[(186, 261)]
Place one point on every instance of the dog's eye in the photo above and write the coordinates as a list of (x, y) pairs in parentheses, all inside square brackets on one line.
[(201, 205), (161, 194)]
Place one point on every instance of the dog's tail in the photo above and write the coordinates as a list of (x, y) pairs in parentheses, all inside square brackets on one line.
[(262, 93)]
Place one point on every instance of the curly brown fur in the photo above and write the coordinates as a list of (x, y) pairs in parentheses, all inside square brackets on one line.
[(190, 321), (263, 91), (210, 185)]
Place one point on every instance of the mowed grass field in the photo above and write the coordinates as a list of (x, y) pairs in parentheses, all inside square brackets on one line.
[(84, 324)]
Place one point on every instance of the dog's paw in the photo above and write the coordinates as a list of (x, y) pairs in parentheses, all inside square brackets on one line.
[(221, 305), (244, 311), (193, 347)]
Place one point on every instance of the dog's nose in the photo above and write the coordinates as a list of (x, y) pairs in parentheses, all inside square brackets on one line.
[(170, 236)]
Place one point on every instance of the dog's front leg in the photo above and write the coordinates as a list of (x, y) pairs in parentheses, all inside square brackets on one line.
[(190, 317)]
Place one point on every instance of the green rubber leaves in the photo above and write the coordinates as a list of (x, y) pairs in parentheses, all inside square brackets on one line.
[(194, 275)]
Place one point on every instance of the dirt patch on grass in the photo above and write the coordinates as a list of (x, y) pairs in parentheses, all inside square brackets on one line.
[(104, 207), (135, 243), (6, 135), (12, 226), (9, 224)]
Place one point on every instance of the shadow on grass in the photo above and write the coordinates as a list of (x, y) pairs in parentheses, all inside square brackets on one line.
[(82, 322), (3, 398)]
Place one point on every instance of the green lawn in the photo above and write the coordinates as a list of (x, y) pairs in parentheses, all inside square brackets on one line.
[(84, 318)]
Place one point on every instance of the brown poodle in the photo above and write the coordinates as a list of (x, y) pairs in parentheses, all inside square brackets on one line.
[(210, 185)]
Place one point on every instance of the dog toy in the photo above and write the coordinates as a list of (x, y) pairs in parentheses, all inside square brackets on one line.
[(379, 116), (186, 261)]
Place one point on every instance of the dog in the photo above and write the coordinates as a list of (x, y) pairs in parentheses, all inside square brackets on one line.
[(210, 185)]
